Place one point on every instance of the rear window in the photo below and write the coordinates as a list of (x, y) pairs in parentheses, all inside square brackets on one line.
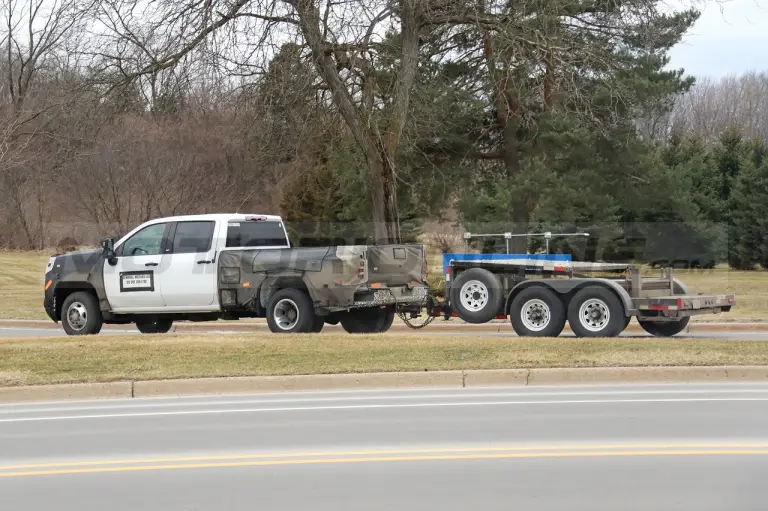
[(256, 234)]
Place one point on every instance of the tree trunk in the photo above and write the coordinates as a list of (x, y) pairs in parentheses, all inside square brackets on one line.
[(381, 179), (520, 210)]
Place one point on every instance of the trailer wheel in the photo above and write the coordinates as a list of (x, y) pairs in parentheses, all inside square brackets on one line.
[(371, 320), (537, 312), (664, 328), (290, 311), (155, 326), (596, 312), (476, 295)]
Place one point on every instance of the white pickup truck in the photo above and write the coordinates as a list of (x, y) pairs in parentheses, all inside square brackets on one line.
[(231, 266)]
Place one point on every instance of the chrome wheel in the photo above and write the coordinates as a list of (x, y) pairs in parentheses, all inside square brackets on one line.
[(286, 314), (594, 315), (474, 295), (535, 315), (77, 316)]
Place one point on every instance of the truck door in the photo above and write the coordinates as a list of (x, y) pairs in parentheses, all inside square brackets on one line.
[(132, 285), (188, 269)]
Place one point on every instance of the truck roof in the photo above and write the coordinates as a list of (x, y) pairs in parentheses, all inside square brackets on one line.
[(225, 217)]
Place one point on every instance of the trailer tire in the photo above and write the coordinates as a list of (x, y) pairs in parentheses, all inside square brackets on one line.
[(290, 311), (476, 295), (155, 326), (371, 320), (537, 312), (80, 314), (664, 328), (596, 312)]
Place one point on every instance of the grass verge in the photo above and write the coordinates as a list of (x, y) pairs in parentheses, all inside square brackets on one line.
[(111, 358)]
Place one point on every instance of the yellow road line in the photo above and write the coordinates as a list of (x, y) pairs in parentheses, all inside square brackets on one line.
[(516, 448), (481, 456)]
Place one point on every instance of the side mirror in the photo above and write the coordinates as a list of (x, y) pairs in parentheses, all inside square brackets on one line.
[(109, 251)]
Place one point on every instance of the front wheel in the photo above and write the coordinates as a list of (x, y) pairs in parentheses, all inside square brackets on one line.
[(80, 314), (664, 328), (154, 326), (537, 312), (596, 312)]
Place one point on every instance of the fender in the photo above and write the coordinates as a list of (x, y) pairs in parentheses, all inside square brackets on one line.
[(565, 286), (273, 284)]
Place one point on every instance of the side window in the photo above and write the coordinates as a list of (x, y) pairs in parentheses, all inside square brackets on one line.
[(193, 237), (147, 241)]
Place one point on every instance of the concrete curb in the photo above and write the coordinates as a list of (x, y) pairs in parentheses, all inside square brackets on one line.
[(64, 392), (403, 380)]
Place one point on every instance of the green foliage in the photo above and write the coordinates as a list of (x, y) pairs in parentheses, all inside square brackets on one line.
[(747, 203)]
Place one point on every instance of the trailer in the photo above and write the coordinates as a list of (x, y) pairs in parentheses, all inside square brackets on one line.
[(596, 299)]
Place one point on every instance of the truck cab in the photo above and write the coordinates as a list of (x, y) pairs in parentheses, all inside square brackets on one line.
[(227, 266)]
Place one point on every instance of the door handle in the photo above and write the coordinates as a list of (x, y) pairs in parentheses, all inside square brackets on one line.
[(151, 264), (204, 262)]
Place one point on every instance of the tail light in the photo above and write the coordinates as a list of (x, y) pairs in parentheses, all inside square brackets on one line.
[(361, 270), (447, 273)]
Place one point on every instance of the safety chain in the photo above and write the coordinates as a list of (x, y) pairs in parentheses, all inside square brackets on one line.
[(406, 320)]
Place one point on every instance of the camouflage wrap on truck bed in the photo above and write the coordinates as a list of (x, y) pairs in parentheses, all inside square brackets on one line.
[(336, 278)]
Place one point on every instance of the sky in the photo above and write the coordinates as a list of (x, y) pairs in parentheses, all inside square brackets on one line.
[(730, 37)]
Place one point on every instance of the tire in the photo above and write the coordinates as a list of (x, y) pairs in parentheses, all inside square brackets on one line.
[(596, 312), (154, 326), (476, 295), (319, 324), (664, 328), (290, 311), (80, 314), (537, 312), (373, 320)]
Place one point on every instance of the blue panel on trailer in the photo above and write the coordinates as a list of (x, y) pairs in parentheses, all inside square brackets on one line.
[(447, 258)]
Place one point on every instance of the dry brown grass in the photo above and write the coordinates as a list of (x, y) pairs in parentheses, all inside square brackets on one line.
[(21, 285), (117, 357)]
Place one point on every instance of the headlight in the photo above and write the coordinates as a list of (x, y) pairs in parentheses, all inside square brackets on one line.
[(49, 267)]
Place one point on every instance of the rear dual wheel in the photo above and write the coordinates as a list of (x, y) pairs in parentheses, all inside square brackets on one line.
[(290, 311)]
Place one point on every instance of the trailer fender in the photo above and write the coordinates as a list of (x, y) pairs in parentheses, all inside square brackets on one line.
[(567, 286), (271, 285), (683, 288)]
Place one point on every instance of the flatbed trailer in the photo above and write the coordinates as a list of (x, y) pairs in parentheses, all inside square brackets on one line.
[(596, 299)]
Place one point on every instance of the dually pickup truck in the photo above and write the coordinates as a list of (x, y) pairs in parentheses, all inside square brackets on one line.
[(232, 266)]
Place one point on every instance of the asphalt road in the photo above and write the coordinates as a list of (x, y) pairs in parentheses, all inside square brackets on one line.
[(695, 447), (506, 331)]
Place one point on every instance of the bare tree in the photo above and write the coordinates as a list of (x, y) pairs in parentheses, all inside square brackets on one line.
[(350, 44), (37, 38), (712, 106)]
